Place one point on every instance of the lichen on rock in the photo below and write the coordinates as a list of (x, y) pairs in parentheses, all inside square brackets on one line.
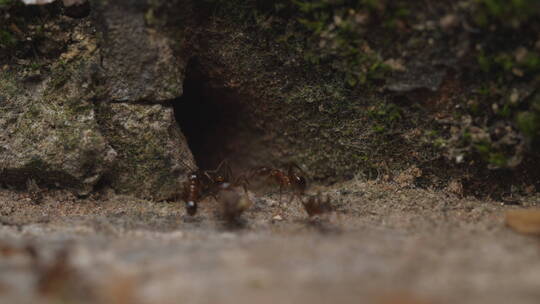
[(62, 124), (52, 137), (137, 61), (152, 153)]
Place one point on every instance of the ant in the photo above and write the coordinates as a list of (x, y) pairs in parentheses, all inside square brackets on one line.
[(226, 190), (193, 191), (290, 179), (216, 178), (204, 182)]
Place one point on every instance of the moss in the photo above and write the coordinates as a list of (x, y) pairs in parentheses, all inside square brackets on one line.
[(37, 164), (18, 29), (144, 162), (320, 67), (507, 67), (324, 32), (7, 39), (494, 158), (337, 126), (385, 115), (5, 4), (529, 123), (507, 12), (498, 160), (9, 84), (150, 17)]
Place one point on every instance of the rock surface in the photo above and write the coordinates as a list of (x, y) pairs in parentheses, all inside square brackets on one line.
[(49, 130), (59, 144), (277, 90), (91, 74), (137, 60), (152, 153), (384, 241)]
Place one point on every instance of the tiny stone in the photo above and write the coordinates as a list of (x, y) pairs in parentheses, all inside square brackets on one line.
[(277, 218), (518, 72), (521, 54), (73, 2), (396, 64), (39, 2), (449, 21), (514, 97), (525, 221)]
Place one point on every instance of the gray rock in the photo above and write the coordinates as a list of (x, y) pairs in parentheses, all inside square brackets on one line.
[(82, 122), (416, 76), (68, 3), (38, 2), (153, 157), (138, 61), (51, 135)]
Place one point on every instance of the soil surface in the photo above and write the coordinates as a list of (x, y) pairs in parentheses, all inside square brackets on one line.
[(385, 243)]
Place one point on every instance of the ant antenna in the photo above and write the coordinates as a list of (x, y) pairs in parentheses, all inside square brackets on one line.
[(293, 165), (187, 165)]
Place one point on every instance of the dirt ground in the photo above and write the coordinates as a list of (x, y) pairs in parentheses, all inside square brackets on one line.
[(384, 244)]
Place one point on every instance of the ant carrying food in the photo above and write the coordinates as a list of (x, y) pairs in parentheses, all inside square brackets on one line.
[(233, 201), (201, 183), (217, 177), (230, 192), (315, 205), (291, 179)]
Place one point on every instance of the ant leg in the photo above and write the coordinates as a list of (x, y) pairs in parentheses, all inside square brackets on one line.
[(293, 166), (228, 173), (245, 183), (291, 199), (270, 180), (219, 166), (227, 170), (208, 176), (223, 163), (280, 193)]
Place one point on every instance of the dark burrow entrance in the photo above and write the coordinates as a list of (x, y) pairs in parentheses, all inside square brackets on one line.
[(214, 119)]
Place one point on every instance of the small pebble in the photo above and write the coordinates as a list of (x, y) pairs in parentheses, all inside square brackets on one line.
[(525, 221)]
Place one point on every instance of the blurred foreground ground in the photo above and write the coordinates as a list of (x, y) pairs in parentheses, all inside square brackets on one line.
[(386, 244)]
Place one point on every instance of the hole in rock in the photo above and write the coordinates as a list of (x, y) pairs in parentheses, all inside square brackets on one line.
[(215, 120)]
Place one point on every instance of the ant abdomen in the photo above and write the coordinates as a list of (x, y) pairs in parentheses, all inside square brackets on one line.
[(191, 207)]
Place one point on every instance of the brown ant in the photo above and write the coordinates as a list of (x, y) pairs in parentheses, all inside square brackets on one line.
[(204, 182), (315, 205), (285, 180), (193, 191), (215, 178), (224, 187), (229, 194)]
